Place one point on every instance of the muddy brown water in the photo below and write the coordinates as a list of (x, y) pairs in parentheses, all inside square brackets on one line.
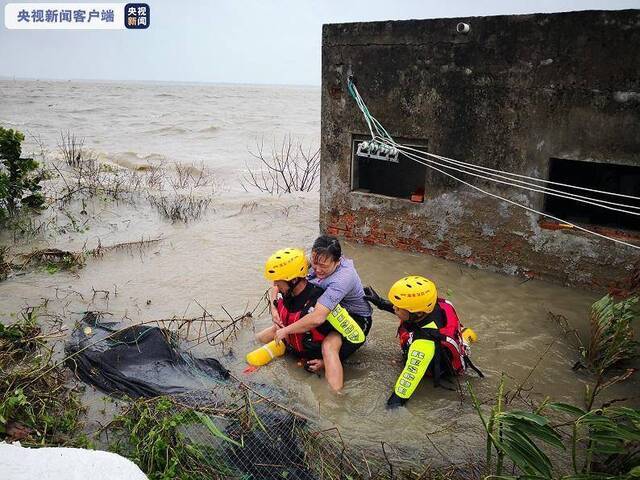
[(218, 260)]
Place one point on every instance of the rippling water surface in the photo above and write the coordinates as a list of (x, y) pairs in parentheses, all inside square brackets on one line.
[(218, 260)]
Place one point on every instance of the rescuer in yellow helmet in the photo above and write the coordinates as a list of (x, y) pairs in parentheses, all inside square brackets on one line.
[(294, 297), (341, 311), (430, 334), (291, 298)]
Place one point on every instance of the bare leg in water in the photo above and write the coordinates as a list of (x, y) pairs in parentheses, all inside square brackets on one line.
[(331, 361)]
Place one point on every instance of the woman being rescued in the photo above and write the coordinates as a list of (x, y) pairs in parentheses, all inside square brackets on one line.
[(430, 333), (340, 318)]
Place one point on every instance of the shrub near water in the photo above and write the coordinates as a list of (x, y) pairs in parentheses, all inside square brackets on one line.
[(36, 404), (19, 177), (612, 341), (601, 444), (611, 344), (611, 348), (153, 434)]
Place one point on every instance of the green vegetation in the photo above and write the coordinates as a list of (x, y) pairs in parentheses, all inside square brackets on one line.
[(611, 341), (598, 443), (19, 177), (610, 348), (153, 434), (602, 443), (36, 404)]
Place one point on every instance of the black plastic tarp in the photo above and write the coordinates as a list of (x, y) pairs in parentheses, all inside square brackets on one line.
[(147, 361), (137, 361)]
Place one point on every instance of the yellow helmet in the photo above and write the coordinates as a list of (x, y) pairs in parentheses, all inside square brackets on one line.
[(414, 293), (286, 264)]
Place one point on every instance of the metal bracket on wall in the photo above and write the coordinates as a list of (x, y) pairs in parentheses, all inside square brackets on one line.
[(377, 151)]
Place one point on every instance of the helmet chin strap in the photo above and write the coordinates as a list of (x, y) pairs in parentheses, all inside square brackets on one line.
[(292, 285), (417, 316)]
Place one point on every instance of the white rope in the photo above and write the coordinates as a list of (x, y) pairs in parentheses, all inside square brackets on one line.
[(380, 130), (485, 169), (383, 135), (560, 194), (417, 159), (362, 107), (540, 180)]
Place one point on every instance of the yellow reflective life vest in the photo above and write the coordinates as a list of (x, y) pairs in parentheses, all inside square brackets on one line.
[(346, 326), (419, 357)]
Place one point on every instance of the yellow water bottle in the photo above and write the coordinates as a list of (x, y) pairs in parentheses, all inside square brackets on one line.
[(263, 355), (469, 335)]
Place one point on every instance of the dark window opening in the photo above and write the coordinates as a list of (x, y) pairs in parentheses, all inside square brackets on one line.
[(404, 179), (623, 179)]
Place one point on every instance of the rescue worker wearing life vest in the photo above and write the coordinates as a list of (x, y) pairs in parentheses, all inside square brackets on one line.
[(341, 309), (294, 297), (430, 334)]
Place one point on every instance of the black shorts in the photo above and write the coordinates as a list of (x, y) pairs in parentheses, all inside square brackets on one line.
[(314, 350)]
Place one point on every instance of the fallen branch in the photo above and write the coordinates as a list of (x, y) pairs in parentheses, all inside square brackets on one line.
[(56, 258)]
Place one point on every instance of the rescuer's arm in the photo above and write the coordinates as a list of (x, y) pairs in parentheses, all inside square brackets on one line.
[(275, 316), (306, 323), (418, 359), (371, 296), (329, 299)]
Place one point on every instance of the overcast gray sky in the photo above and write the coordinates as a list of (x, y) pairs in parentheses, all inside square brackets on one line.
[(234, 41)]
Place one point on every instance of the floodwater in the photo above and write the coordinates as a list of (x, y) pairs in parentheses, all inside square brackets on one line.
[(134, 123), (217, 261)]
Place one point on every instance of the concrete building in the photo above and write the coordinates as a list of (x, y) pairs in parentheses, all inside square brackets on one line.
[(552, 96)]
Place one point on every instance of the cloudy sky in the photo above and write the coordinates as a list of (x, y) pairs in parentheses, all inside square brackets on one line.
[(232, 41)]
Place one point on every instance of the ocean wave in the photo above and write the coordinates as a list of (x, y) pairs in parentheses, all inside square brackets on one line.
[(169, 129), (209, 129), (87, 110), (9, 122), (132, 160)]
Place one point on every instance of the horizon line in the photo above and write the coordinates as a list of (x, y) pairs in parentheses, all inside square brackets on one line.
[(183, 82)]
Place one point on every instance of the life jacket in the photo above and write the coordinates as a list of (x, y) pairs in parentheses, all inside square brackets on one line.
[(295, 340), (452, 352)]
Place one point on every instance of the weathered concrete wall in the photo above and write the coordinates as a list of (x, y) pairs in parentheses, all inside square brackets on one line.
[(513, 92)]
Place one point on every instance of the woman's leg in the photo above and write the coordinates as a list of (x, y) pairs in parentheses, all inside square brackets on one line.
[(331, 358), (266, 335)]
